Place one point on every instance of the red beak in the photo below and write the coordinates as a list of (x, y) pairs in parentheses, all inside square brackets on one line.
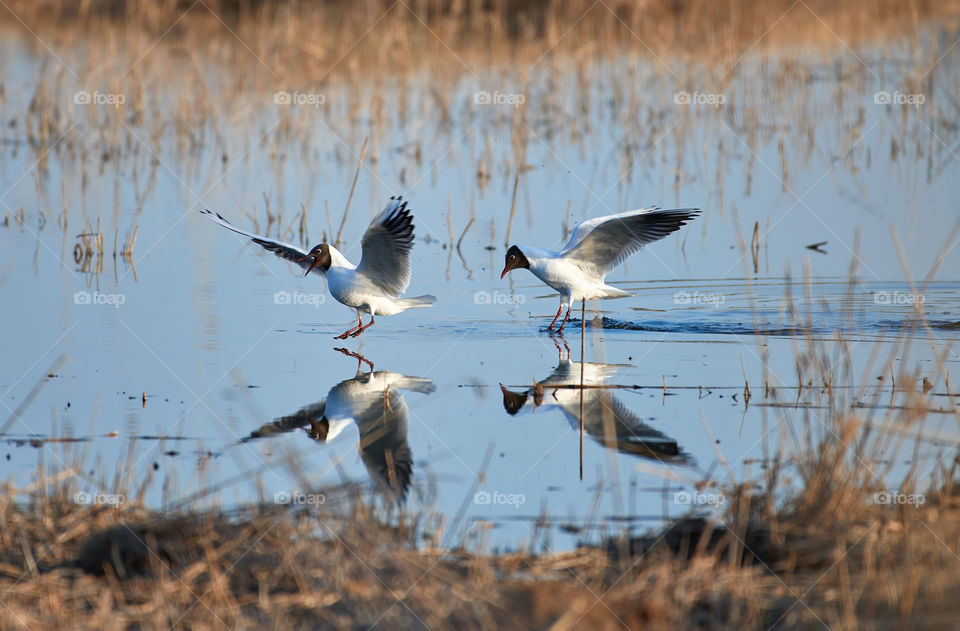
[(504, 272), (315, 259)]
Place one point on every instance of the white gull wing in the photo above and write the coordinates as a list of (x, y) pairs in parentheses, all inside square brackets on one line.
[(386, 248), (373, 401), (602, 243), (384, 448), (354, 398), (283, 250)]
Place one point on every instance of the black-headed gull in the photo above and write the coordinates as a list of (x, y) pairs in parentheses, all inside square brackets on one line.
[(372, 401), (605, 417), (375, 285), (595, 248)]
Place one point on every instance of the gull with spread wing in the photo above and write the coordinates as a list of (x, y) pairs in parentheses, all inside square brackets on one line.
[(595, 248), (375, 285)]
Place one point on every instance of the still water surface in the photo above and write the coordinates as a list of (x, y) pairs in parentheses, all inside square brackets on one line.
[(227, 353)]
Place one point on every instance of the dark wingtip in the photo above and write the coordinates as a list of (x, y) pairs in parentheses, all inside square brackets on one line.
[(207, 211), (684, 215), (400, 222)]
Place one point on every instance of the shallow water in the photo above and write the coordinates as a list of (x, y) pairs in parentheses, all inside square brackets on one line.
[(206, 340)]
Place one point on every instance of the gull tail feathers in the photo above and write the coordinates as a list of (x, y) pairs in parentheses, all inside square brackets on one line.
[(612, 292), (417, 302), (417, 384)]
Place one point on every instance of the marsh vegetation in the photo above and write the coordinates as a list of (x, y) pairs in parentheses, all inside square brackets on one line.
[(769, 427)]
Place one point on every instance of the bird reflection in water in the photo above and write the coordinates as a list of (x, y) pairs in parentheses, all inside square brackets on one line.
[(373, 401), (605, 417)]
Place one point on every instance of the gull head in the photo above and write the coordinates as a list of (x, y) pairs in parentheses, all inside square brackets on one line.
[(514, 260), (320, 255), (319, 429), (513, 401)]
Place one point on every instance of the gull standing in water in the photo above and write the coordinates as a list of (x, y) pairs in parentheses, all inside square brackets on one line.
[(595, 248), (375, 285)]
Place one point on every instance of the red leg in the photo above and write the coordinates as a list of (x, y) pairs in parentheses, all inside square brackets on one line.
[(565, 346), (559, 309), (344, 335), (360, 358), (557, 344), (565, 318), (364, 327)]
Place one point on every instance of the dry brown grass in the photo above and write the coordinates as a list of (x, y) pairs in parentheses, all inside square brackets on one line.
[(133, 47), (836, 560), (307, 34)]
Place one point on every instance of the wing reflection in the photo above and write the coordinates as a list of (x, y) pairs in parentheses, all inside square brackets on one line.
[(605, 417), (373, 401)]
